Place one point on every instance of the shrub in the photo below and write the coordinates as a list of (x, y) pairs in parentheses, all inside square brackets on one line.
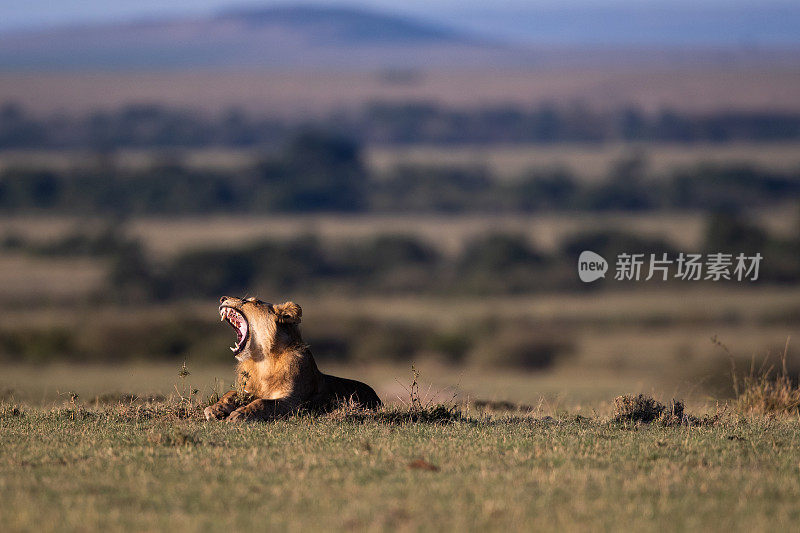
[(642, 408), (768, 390), (518, 347)]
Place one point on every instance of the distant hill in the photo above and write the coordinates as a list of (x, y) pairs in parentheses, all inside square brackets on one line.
[(339, 25), (307, 37), (281, 36)]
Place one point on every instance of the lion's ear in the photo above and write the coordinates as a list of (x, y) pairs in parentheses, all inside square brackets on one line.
[(289, 313)]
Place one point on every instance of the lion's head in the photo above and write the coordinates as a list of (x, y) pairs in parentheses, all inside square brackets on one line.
[(261, 327)]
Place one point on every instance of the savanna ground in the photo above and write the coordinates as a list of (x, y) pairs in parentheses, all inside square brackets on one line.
[(87, 447), (152, 466)]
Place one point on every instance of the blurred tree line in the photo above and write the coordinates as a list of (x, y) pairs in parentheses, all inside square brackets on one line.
[(317, 172), (490, 263), (141, 126)]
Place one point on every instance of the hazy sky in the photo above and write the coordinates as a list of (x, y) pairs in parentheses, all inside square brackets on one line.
[(522, 20), (31, 13)]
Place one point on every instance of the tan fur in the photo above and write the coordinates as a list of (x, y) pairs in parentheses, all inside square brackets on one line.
[(278, 374)]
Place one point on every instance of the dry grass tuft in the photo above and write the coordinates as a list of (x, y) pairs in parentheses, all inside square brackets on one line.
[(643, 408), (765, 394), (765, 391), (10, 411), (673, 415)]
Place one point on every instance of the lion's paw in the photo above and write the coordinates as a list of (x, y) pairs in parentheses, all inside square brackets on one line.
[(213, 414), (238, 415)]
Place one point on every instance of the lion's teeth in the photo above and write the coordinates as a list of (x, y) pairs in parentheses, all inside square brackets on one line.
[(233, 349)]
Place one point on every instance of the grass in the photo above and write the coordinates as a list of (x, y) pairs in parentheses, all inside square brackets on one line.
[(143, 468), (573, 387), (126, 462)]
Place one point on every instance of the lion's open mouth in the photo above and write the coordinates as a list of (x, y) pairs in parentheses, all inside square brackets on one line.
[(239, 323)]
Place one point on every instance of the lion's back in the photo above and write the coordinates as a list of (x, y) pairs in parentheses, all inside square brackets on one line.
[(337, 391)]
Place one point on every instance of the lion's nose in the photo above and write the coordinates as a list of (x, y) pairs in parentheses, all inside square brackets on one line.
[(222, 299)]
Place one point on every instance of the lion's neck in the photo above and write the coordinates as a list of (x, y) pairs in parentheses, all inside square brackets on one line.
[(279, 374)]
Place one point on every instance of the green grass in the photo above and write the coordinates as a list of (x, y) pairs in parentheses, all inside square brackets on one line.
[(120, 468)]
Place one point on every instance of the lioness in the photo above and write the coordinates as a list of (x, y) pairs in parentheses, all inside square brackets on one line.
[(276, 370)]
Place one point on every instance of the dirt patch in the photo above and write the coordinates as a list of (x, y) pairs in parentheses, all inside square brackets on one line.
[(422, 464)]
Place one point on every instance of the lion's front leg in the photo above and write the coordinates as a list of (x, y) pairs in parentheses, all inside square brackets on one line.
[(225, 406), (262, 410)]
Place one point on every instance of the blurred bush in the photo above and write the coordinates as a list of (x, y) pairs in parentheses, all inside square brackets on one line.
[(116, 338), (490, 263), (316, 172), (432, 188), (38, 346), (520, 346), (611, 243), (325, 174), (728, 231), (727, 187), (731, 232), (146, 125), (499, 263)]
